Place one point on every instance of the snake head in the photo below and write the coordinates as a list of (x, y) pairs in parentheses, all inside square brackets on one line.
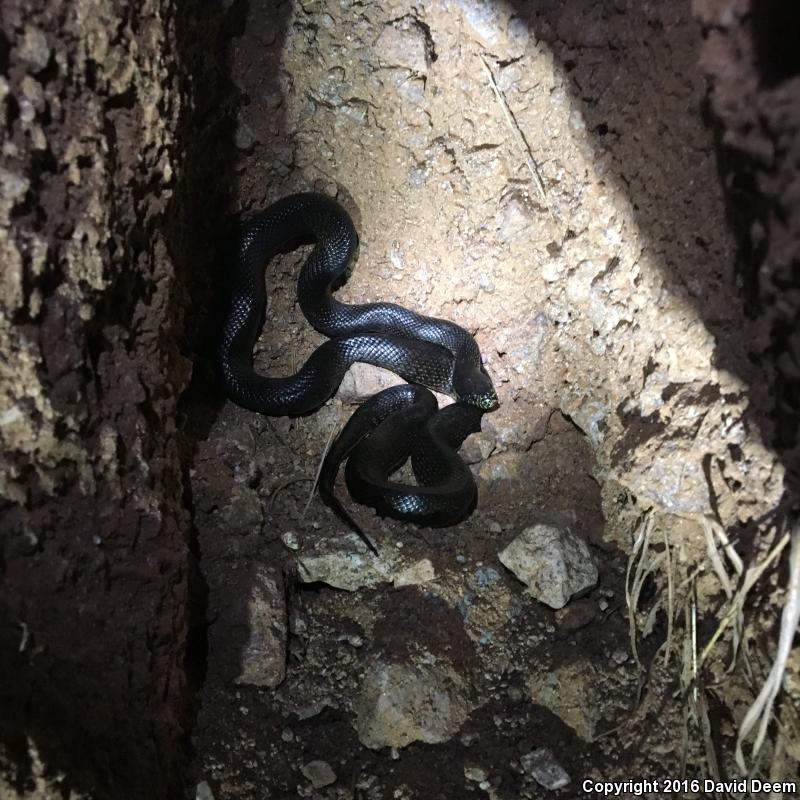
[(475, 387)]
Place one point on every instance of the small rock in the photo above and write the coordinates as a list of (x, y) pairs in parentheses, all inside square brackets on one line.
[(619, 657), (319, 773), (404, 43), (350, 569), (478, 447), (476, 774), (244, 138), (410, 702), (542, 766), (419, 572), (355, 110), (13, 186), (483, 17), (34, 48), (203, 792), (495, 527), (553, 562), (264, 656), (516, 220), (290, 540)]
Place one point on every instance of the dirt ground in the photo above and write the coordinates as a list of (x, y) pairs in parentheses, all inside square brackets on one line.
[(608, 317)]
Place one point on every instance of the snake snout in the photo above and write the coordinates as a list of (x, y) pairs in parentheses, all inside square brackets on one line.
[(475, 388)]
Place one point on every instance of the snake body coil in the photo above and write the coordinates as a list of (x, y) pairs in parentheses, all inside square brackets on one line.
[(424, 350)]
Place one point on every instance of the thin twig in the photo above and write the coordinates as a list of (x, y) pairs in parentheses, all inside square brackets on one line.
[(321, 462), (516, 133)]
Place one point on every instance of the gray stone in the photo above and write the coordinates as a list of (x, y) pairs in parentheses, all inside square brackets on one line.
[(542, 766), (203, 792), (483, 17), (319, 773), (413, 702), (363, 380), (553, 562), (244, 138), (264, 655), (419, 572), (478, 447), (347, 565)]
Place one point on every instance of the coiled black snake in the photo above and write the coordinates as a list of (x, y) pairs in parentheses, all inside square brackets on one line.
[(423, 350)]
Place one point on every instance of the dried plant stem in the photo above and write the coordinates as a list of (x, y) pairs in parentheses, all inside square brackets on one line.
[(761, 710), (516, 133), (325, 449)]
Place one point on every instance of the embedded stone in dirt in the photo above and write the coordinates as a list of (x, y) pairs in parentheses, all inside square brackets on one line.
[(350, 566), (404, 703), (542, 766), (553, 562), (263, 657), (419, 572), (404, 43), (570, 693), (319, 773)]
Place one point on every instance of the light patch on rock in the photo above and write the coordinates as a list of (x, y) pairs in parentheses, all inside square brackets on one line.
[(569, 693), (553, 562), (319, 773), (419, 572), (404, 44), (263, 657), (542, 766), (203, 791), (413, 702), (350, 566)]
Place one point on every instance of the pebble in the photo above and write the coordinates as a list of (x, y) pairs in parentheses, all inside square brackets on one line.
[(244, 138), (475, 774), (290, 540), (542, 766), (419, 572), (319, 773), (203, 791), (619, 657), (34, 48)]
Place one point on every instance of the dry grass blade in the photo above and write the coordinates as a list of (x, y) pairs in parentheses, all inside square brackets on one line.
[(716, 561), (325, 449), (761, 710), (638, 554), (736, 605), (670, 599)]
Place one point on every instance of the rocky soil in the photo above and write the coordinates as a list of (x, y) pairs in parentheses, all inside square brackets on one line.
[(603, 193), (608, 314)]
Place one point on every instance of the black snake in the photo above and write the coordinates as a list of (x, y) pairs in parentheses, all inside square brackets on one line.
[(423, 350)]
